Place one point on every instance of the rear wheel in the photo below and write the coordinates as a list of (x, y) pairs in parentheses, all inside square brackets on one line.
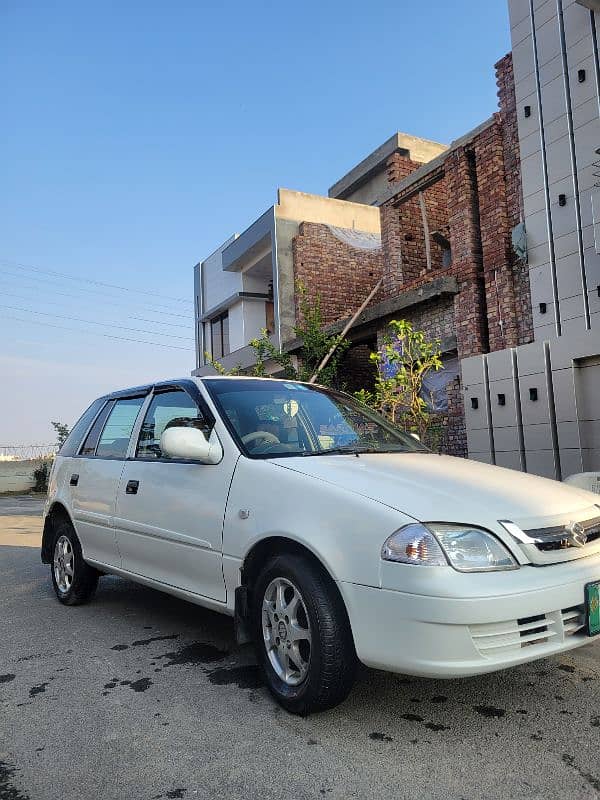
[(303, 636), (74, 581)]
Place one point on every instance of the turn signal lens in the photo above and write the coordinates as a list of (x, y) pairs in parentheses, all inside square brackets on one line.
[(414, 544)]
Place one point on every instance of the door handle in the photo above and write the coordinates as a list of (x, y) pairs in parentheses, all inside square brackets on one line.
[(132, 487), (74, 480)]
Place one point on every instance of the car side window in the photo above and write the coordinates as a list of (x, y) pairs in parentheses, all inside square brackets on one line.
[(73, 440), (91, 440), (168, 409), (115, 436)]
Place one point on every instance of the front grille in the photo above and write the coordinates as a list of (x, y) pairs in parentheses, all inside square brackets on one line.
[(558, 538), (511, 637)]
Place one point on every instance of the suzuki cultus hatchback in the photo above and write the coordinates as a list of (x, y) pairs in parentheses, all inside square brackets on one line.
[(330, 536)]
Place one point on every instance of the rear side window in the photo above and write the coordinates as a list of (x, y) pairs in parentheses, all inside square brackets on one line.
[(168, 409), (114, 439), (73, 440), (91, 440)]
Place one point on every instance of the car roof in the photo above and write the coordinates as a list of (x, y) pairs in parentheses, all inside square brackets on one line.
[(188, 382)]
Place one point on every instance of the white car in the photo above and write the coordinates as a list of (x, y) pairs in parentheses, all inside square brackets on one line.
[(329, 535)]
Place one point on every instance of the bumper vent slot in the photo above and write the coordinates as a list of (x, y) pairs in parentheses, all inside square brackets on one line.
[(573, 620)]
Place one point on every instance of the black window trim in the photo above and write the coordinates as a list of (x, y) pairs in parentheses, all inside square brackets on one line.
[(185, 384), (191, 389), (112, 398)]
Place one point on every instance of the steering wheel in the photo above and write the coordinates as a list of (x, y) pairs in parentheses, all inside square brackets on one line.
[(266, 436)]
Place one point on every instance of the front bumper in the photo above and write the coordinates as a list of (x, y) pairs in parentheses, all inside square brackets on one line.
[(453, 636)]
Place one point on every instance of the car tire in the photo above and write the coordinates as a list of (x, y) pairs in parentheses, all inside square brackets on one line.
[(74, 581), (314, 636)]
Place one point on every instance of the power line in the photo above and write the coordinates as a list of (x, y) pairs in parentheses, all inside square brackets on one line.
[(33, 268), (95, 322), (96, 333), (141, 319), (158, 308)]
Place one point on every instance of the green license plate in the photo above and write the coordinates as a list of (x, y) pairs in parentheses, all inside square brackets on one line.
[(592, 607)]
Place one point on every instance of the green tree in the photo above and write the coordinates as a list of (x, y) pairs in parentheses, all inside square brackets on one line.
[(62, 431), (316, 344), (408, 356)]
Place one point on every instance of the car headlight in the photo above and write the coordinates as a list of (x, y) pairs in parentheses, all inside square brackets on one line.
[(434, 544)]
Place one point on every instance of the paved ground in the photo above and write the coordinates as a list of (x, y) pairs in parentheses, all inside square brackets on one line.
[(138, 695)]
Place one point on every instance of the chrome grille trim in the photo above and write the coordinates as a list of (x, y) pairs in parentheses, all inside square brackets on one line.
[(558, 538)]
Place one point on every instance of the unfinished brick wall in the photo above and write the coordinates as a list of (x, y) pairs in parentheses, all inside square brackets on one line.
[(403, 235), (514, 191), (340, 274)]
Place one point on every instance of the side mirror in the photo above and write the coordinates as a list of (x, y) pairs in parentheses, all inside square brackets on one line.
[(190, 443)]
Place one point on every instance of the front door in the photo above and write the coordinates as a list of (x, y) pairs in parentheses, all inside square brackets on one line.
[(169, 514), (94, 479)]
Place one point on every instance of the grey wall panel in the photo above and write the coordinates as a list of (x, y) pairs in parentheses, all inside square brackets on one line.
[(472, 370), (585, 112), (577, 23), (564, 394), (542, 318), (476, 418), (525, 94), (544, 12), (558, 160), (556, 130), (478, 440), (565, 349), (534, 202), (553, 100), (568, 436), (586, 90), (517, 11), (566, 244), (539, 255), (587, 382), (503, 416), (541, 462), (587, 141), (595, 322), (571, 462), (587, 178), (506, 440), (499, 364), (537, 232), (547, 41), (591, 460), (551, 70), (544, 333), (485, 458), (534, 411), (530, 144), (572, 307), (530, 359), (573, 326), (537, 437), (568, 278), (589, 431), (531, 173), (523, 63), (508, 460)]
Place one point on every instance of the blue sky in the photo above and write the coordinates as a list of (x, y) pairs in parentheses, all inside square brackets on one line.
[(138, 136)]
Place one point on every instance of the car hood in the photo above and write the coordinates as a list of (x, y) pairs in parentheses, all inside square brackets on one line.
[(431, 487)]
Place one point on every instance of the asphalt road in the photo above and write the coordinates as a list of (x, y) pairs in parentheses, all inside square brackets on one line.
[(139, 695)]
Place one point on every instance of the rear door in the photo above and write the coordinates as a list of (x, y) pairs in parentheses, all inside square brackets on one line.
[(169, 514), (94, 479)]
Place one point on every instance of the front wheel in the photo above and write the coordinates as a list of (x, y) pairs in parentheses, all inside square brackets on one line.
[(74, 581), (303, 636)]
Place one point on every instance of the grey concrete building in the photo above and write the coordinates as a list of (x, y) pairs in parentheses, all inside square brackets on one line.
[(537, 407)]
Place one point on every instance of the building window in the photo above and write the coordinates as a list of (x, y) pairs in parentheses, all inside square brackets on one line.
[(219, 332)]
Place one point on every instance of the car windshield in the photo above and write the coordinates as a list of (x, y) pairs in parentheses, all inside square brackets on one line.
[(270, 418)]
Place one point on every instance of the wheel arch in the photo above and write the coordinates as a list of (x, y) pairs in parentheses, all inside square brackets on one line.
[(56, 513), (252, 563)]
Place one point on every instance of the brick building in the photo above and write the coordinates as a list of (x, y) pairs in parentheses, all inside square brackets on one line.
[(490, 244)]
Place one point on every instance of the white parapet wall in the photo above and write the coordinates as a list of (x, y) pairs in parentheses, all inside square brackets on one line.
[(17, 475)]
